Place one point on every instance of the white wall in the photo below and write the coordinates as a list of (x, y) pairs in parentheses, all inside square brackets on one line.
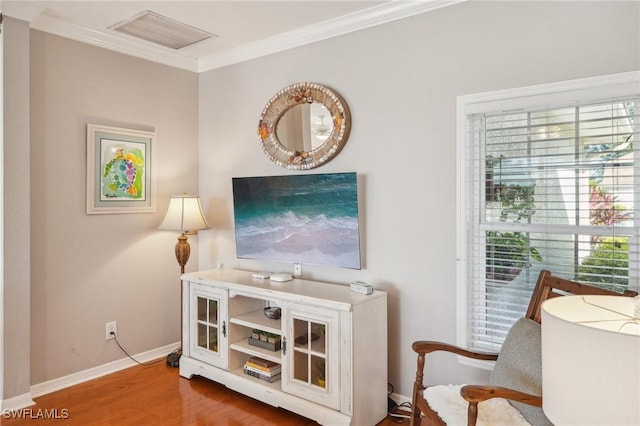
[(400, 81), (90, 269)]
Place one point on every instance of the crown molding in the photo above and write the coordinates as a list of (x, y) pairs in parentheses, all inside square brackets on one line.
[(371, 17), (377, 15)]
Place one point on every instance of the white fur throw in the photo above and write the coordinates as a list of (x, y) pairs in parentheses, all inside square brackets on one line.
[(452, 408)]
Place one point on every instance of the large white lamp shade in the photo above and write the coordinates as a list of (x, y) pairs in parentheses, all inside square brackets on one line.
[(184, 214), (591, 361)]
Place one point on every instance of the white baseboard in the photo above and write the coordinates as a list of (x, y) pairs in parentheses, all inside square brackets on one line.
[(17, 402), (99, 371)]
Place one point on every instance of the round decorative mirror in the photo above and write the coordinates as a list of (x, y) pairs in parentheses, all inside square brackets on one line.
[(303, 126)]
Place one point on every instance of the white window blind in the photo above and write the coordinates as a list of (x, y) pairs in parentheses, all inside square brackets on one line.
[(547, 188)]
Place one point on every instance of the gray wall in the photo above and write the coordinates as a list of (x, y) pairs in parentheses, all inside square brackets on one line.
[(90, 269), (15, 169), (401, 81)]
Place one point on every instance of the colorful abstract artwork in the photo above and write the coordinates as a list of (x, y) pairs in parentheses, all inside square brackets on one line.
[(119, 170), (122, 170)]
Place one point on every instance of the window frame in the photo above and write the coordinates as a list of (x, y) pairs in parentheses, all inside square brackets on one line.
[(558, 94)]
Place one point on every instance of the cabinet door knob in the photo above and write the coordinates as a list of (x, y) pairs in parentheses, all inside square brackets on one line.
[(224, 328), (284, 346)]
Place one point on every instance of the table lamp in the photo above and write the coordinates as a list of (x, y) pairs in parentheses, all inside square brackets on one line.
[(184, 214), (591, 360)]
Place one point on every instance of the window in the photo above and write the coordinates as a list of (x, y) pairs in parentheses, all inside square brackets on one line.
[(548, 178)]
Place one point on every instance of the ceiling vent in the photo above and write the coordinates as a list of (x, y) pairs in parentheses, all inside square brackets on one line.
[(161, 30)]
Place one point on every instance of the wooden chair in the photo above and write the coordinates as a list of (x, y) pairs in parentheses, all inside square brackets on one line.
[(547, 286)]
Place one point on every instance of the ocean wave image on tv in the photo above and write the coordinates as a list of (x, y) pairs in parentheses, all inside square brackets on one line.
[(309, 219)]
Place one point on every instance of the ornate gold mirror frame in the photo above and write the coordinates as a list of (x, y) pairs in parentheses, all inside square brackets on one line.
[(292, 126)]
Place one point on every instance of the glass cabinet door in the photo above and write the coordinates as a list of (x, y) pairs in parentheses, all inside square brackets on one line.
[(208, 325), (312, 354)]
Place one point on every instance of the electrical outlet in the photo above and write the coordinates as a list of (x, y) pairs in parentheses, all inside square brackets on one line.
[(111, 327), (297, 269)]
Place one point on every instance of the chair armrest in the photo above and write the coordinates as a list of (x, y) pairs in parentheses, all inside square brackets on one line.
[(479, 393), (422, 348), (425, 347)]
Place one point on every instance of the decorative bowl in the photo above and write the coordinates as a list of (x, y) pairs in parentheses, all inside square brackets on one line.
[(272, 312)]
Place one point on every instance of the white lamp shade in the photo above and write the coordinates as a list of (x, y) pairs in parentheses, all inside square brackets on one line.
[(184, 214), (590, 361)]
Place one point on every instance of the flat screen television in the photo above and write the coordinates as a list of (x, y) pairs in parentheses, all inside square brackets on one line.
[(310, 219)]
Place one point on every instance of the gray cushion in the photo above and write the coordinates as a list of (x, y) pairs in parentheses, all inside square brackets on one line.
[(519, 367)]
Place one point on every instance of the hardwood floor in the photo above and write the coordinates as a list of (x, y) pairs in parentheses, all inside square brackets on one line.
[(154, 395)]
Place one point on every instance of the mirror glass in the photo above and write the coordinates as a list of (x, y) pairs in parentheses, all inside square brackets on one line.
[(303, 126)]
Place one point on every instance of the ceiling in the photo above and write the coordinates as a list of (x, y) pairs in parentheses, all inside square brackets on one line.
[(244, 29)]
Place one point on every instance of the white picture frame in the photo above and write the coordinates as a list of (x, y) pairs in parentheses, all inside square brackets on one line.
[(120, 170)]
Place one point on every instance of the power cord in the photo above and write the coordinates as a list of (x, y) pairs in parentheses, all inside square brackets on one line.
[(115, 337), (393, 406), (401, 417), (406, 405)]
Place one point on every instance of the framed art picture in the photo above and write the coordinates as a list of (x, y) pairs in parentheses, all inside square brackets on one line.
[(120, 175)]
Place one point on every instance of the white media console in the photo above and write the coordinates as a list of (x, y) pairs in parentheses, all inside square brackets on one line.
[(331, 365)]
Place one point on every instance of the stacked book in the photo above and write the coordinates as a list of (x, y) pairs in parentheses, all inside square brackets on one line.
[(263, 369)]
